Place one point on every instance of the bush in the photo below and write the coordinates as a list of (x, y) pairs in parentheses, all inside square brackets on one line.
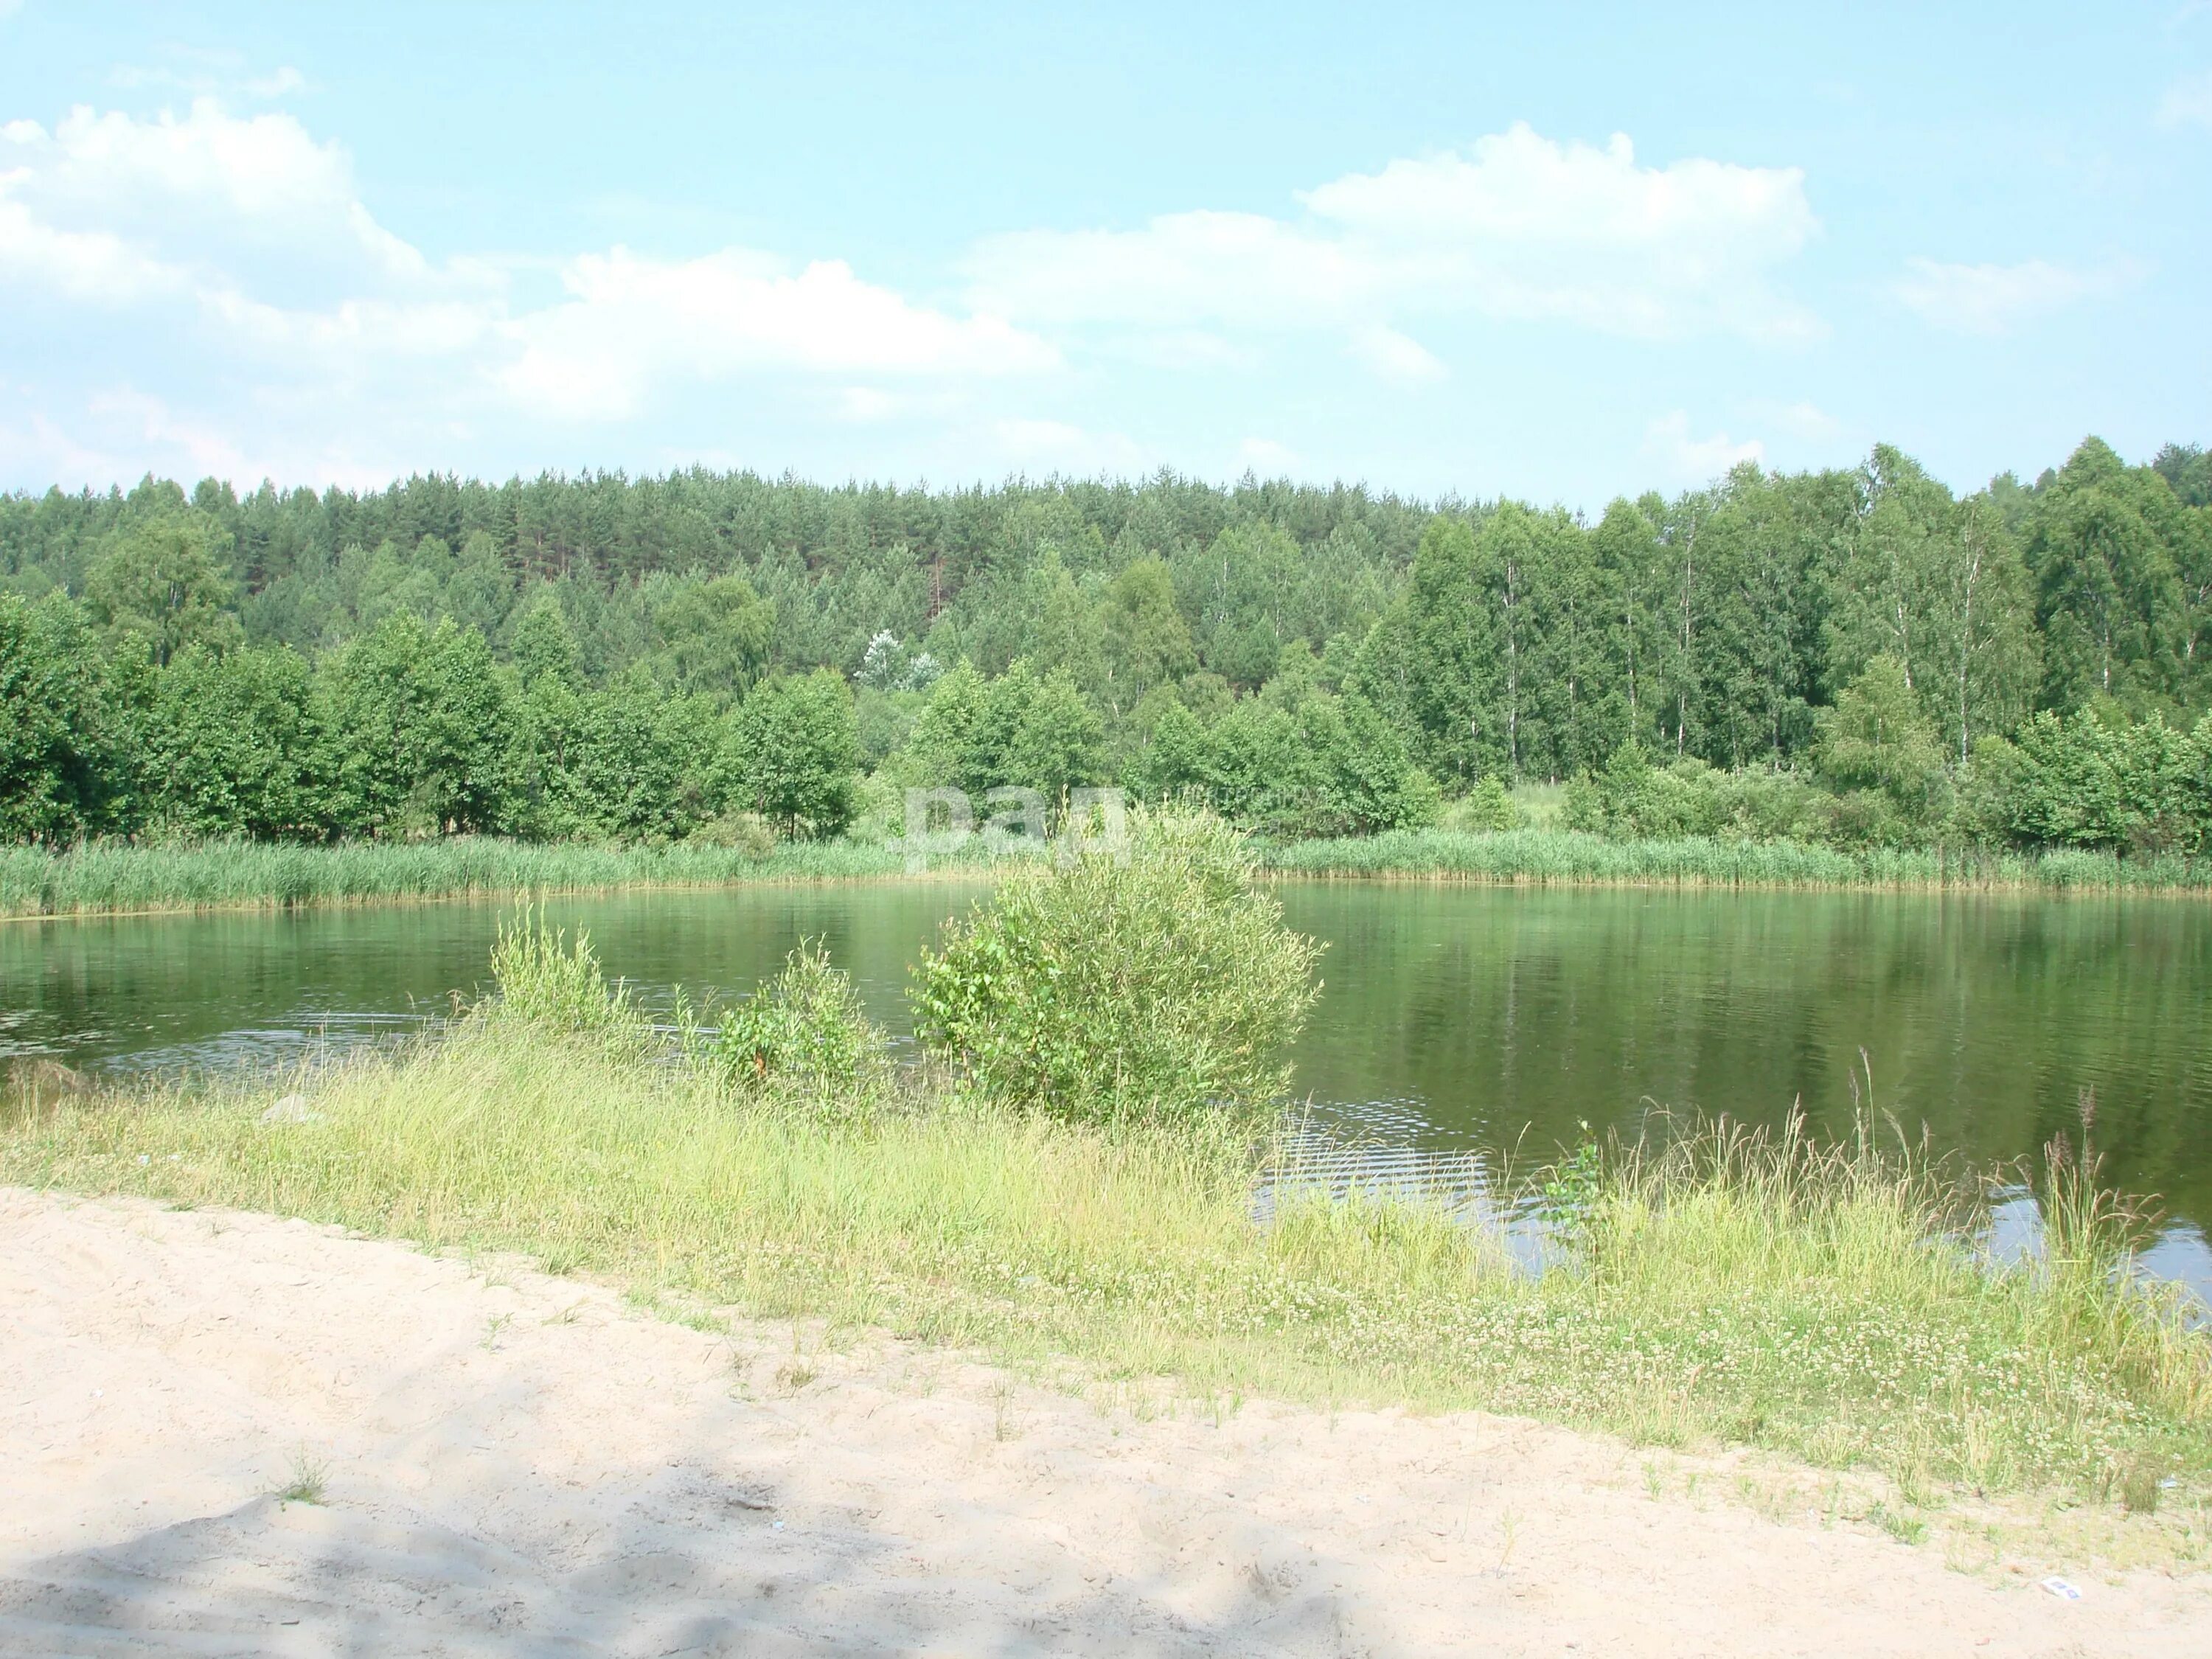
[(2092, 781), (746, 833), (805, 1033), (1152, 981), (1485, 806), (546, 981), (1760, 805)]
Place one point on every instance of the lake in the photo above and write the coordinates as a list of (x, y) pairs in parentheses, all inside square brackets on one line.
[(1451, 1016)]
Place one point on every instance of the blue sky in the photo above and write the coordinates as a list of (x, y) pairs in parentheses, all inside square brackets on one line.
[(1555, 252)]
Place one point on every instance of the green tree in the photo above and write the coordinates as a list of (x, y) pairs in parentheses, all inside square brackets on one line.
[(1432, 662), (2109, 600), (1147, 641), (1234, 591), (237, 745), (943, 748), (636, 765), (375, 696), (713, 634), (1052, 737), (467, 778), (798, 744), (164, 580), (1631, 577), (542, 643), (1876, 737), (1068, 637), (426, 730), (1938, 586), (62, 769)]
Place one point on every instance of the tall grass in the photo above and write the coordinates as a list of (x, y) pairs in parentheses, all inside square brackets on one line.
[(117, 876), (1567, 857), (1730, 1286), (102, 877)]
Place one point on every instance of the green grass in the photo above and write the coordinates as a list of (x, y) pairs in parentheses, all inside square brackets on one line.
[(106, 876), (1570, 857), (305, 1483), (117, 876), (1734, 1288)]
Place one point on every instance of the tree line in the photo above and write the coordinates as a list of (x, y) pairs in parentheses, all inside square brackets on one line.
[(1853, 655)]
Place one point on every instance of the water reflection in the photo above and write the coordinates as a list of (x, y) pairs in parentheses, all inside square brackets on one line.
[(1454, 1018)]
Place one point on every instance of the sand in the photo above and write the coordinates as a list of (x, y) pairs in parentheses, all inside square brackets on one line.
[(514, 1463)]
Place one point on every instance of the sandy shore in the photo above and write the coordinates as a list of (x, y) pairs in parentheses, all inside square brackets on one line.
[(514, 1463)]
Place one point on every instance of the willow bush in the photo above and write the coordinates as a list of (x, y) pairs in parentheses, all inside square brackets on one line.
[(1153, 979)]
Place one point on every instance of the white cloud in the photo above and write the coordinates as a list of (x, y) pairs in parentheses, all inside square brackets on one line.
[(1186, 349), (1393, 357), (241, 240), (632, 323), (90, 265), (1807, 420), (199, 190), (2187, 102), (1517, 226), (1696, 460), (120, 433), (867, 403), (205, 450), (210, 74), (1266, 456), (1184, 269), (253, 229), (1991, 299), (1058, 446)]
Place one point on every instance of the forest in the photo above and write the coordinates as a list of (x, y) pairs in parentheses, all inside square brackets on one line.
[(1855, 657)]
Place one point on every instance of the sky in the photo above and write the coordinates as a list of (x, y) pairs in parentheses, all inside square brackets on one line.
[(1559, 252)]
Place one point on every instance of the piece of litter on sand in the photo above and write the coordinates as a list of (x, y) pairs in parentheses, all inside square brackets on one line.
[(2062, 1589), (775, 1526)]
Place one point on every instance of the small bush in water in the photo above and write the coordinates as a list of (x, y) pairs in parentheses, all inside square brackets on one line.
[(806, 1031), (547, 982), (1155, 984)]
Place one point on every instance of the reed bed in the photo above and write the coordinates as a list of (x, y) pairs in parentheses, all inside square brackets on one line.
[(110, 877), (1725, 1286), (1567, 857), (115, 876)]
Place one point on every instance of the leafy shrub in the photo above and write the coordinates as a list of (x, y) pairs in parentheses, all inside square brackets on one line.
[(1867, 818), (1759, 804), (747, 833), (1876, 738), (806, 1032), (1633, 798), (1152, 981), (546, 981), (2095, 780), (1312, 764), (1485, 806)]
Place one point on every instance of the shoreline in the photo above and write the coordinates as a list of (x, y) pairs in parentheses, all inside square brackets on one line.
[(1747, 1288), (120, 881)]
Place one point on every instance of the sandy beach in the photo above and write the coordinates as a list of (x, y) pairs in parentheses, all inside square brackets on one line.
[(514, 1463)]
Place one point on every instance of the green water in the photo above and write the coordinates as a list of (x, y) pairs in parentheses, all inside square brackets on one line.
[(1451, 1015)]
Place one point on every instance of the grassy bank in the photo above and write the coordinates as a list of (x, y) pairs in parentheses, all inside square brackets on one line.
[(1731, 1290), (107, 877), (110, 877), (1566, 857)]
